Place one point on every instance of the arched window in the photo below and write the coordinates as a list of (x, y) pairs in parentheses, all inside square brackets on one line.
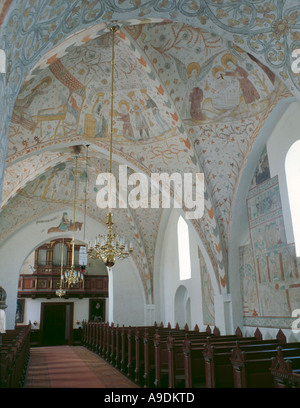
[(183, 249), (2, 62), (292, 168)]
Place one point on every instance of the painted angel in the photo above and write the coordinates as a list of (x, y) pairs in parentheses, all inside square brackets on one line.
[(192, 76)]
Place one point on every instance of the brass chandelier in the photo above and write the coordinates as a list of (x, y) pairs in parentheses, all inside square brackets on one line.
[(110, 247)]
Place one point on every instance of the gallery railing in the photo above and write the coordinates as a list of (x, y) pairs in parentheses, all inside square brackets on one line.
[(45, 285)]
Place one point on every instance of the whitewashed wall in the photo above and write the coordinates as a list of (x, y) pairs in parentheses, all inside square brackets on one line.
[(32, 310), (128, 307), (127, 302), (167, 282)]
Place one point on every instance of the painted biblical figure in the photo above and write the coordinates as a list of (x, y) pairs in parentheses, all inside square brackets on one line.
[(196, 98), (124, 116), (249, 91), (194, 94), (150, 104), (64, 223), (101, 119), (140, 120)]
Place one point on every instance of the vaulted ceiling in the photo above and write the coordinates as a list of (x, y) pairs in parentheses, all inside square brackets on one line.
[(195, 102)]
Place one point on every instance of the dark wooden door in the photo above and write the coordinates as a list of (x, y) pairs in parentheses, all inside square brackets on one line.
[(57, 322)]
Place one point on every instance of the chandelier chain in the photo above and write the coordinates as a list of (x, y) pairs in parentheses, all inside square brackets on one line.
[(109, 247)]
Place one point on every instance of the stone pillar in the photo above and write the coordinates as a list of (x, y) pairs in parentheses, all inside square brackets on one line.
[(149, 315)]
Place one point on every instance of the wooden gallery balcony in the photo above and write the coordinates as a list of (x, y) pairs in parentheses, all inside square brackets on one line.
[(44, 284)]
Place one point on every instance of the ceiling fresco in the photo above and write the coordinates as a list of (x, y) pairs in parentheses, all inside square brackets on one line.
[(186, 99), (72, 95)]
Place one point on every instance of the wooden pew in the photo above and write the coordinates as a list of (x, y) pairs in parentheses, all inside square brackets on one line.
[(117, 346), (158, 355), (160, 359), (93, 344), (251, 368), (218, 367), (98, 342), (135, 355), (148, 357), (14, 357), (156, 360), (176, 361), (119, 339), (185, 358), (131, 354), (169, 357), (195, 367), (89, 335), (285, 370), (139, 356), (127, 361), (110, 342), (102, 347), (155, 357), (113, 344), (109, 331), (193, 359), (101, 338), (142, 349), (149, 360), (124, 349)]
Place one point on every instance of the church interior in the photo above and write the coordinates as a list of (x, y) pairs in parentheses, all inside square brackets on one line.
[(136, 88)]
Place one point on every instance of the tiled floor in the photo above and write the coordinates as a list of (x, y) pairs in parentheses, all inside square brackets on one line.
[(72, 367)]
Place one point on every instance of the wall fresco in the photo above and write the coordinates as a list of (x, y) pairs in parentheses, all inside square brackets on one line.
[(208, 308), (269, 268)]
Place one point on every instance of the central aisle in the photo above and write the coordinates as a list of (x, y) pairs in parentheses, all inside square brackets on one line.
[(72, 367)]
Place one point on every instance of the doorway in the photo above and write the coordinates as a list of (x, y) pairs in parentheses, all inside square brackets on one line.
[(182, 307), (56, 324)]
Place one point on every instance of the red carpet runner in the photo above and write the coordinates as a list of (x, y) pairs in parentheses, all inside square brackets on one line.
[(72, 367)]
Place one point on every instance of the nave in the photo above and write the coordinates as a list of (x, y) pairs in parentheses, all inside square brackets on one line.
[(154, 357), (204, 92)]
